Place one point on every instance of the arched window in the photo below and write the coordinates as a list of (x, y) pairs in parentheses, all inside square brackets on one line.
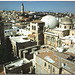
[(41, 62), (53, 69), (70, 27), (38, 59), (32, 28), (65, 27), (48, 38), (45, 64), (60, 26), (53, 39), (48, 66)]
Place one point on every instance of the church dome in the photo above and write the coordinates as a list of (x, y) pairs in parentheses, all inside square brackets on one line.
[(50, 21), (66, 20)]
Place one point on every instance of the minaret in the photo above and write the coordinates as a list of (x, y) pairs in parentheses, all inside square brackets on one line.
[(22, 9)]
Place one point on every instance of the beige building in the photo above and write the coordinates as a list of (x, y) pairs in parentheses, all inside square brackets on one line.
[(51, 39), (72, 32), (59, 36), (21, 66), (66, 23), (20, 42), (48, 61), (37, 29)]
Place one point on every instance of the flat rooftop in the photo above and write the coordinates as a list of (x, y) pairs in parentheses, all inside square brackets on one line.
[(51, 33), (69, 38), (37, 21), (16, 64), (53, 58), (20, 39), (60, 29)]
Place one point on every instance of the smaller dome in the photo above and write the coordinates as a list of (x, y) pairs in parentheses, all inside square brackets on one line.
[(66, 20)]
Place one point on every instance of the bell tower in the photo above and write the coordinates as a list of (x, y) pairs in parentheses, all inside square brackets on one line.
[(22, 9), (37, 27)]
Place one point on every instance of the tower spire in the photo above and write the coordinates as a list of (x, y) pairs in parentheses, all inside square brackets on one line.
[(22, 4), (22, 9)]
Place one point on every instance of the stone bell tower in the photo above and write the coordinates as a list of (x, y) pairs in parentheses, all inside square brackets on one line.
[(22, 9), (37, 27)]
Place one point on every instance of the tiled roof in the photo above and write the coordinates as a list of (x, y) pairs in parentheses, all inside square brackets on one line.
[(13, 31), (69, 66), (37, 21), (17, 25), (54, 59), (31, 35), (21, 20), (70, 54), (62, 55), (26, 18), (50, 54)]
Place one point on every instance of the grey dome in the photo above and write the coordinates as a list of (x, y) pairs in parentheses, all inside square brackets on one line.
[(66, 20), (50, 21)]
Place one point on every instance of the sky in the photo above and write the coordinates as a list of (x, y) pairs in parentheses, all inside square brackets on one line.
[(47, 6)]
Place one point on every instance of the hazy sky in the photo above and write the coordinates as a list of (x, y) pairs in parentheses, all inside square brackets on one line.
[(53, 6)]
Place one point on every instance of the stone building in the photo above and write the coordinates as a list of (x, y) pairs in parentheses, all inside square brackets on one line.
[(37, 30), (28, 52), (66, 23), (21, 66), (7, 25), (51, 39), (20, 42), (58, 36), (72, 32), (48, 61)]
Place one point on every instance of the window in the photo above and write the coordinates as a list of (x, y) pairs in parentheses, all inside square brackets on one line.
[(70, 27), (32, 27), (38, 68), (73, 34), (38, 59), (41, 71), (64, 73), (45, 65), (53, 69), (44, 72), (41, 62), (48, 37), (64, 64), (17, 30), (65, 27), (59, 43), (60, 26), (53, 39), (48, 66)]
